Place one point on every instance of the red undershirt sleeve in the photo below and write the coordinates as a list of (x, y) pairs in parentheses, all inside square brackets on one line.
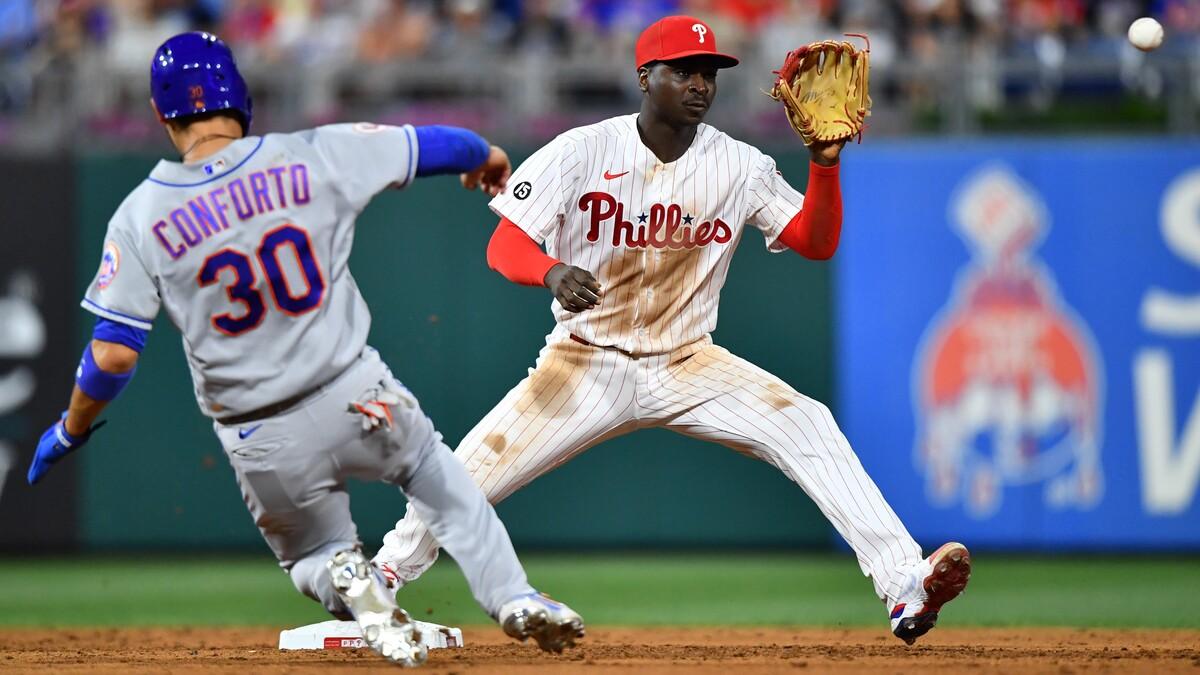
[(814, 232), (516, 256)]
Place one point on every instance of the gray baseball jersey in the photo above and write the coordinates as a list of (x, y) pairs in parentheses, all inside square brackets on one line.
[(247, 252)]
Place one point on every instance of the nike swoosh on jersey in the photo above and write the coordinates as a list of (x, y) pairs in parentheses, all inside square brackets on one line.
[(609, 176), (245, 433)]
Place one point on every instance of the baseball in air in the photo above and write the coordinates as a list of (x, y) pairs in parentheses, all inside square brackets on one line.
[(1146, 34)]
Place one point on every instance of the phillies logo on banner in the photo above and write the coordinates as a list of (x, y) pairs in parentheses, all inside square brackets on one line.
[(1007, 384)]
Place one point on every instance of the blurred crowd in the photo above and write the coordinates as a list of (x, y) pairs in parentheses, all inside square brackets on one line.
[(462, 40)]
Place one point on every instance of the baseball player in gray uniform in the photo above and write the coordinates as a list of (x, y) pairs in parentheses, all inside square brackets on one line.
[(245, 244)]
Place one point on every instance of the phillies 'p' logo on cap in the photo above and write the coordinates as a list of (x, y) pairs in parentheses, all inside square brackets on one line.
[(677, 37)]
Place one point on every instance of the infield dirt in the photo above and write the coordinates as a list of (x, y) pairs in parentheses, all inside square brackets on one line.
[(622, 650)]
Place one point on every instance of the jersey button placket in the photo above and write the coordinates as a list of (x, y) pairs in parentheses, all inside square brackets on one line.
[(643, 299), (663, 196)]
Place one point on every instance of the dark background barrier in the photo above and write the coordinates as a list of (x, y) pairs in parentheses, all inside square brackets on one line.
[(37, 345), (460, 336), (1078, 236)]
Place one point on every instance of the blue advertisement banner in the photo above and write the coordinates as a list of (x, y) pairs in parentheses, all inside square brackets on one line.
[(1019, 339)]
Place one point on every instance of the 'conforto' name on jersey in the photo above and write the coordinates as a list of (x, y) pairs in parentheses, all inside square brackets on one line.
[(209, 213)]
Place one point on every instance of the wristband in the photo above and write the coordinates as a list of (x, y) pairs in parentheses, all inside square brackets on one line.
[(64, 437), (99, 384)]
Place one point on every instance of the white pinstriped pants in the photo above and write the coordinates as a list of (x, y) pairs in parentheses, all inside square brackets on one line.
[(579, 395)]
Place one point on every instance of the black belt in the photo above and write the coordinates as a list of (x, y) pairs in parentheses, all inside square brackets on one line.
[(268, 410)]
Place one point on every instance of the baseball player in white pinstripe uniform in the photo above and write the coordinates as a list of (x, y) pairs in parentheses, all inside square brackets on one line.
[(639, 216)]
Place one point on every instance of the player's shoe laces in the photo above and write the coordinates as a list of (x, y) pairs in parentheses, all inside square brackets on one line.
[(385, 627), (934, 581), (552, 624)]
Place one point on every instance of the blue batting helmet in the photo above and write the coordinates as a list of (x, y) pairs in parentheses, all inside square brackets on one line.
[(194, 73)]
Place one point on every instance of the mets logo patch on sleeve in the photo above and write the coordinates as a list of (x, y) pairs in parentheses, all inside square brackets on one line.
[(110, 262)]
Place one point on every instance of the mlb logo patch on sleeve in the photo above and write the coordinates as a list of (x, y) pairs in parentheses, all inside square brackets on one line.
[(110, 262)]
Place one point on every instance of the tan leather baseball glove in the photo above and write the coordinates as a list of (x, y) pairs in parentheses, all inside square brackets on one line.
[(823, 88)]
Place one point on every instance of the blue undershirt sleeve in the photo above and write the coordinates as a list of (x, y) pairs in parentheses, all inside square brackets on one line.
[(108, 330), (444, 149)]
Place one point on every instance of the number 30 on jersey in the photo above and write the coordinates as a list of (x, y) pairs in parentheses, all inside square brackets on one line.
[(243, 288)]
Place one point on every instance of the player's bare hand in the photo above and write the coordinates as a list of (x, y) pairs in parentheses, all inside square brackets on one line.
[(492, 175), (826, 153), (574, 287)]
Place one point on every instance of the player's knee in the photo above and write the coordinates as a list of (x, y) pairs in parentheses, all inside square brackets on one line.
[(822, 409), (415, 565), (310, 576), (815, 410)]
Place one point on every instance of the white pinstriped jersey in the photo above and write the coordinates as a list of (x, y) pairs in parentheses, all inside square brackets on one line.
[(659, 237)]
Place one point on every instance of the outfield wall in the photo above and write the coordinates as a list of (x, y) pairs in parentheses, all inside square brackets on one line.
[(459, 336), (1017, 357)]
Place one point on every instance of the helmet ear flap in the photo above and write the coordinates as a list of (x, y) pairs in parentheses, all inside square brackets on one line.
[(157, 112), (247, 115)]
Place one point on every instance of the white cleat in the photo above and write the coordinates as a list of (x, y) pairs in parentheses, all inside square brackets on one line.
[(935, 581), (385, 627), (552, 624)]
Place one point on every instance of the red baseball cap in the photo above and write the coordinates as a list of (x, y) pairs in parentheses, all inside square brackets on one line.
[(676, 37)]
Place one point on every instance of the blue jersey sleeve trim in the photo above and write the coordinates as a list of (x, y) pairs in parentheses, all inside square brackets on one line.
[(136, 322), (444, 149), (209, 180), (108, 330), (414, 152)]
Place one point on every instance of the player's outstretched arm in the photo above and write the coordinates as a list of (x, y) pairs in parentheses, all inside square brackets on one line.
[(815, 231), (492, 175), (448, 150), (104, 370)]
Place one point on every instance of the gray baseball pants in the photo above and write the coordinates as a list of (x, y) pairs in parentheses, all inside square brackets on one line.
[(292, 470)]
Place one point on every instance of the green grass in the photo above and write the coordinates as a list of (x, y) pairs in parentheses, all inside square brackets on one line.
[(682, 589)]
